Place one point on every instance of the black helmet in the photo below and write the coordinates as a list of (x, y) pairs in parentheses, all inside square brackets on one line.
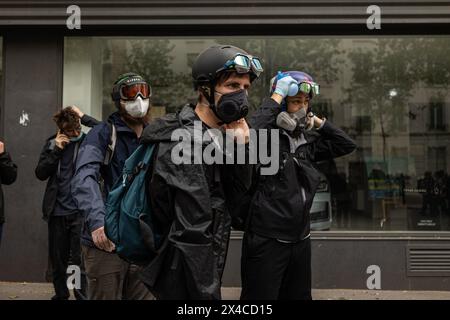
[(212, 60), (210, 64), (125, 79)]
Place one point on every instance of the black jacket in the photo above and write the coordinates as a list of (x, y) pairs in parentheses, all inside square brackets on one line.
[(190, 203), (47, 168), (281, 203), (8, 174)]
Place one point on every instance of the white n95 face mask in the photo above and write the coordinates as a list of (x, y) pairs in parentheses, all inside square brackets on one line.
[(137, 108)]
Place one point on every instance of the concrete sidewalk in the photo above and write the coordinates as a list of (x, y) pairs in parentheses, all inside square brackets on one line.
[(44, 291)]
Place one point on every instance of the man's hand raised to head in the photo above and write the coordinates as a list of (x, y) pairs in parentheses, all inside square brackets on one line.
[(78, 111)]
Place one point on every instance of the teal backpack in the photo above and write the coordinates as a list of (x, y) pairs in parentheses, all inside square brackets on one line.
[(128, 218)]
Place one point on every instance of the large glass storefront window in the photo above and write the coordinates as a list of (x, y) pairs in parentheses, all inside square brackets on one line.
[(389, 94)]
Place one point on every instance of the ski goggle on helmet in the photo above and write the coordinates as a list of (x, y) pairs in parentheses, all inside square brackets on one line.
[(310, 88), (305, 84), (242, 63), (131, 92), (129, 86)]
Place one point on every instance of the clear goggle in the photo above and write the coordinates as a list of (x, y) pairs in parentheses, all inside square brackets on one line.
[(243, 64)]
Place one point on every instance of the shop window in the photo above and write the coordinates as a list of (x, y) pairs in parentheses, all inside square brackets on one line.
[(377, 89)]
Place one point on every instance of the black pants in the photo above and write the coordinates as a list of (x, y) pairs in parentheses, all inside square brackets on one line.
[(64, 234), (272, 270)]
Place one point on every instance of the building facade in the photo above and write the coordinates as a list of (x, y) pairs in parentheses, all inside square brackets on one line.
[(387, 87)]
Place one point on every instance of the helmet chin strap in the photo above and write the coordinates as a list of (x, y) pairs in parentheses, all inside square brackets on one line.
[(209, 95), (208, 92)]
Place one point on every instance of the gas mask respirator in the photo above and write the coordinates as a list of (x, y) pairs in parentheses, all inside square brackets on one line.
[(295, 122), (232, 106)]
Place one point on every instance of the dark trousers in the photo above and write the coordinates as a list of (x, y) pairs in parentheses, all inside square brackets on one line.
[(273, 270), (64, 234), (111, 278)]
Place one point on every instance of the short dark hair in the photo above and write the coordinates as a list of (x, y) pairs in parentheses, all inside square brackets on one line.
[(66, 118), (225, 75), (222, 77)]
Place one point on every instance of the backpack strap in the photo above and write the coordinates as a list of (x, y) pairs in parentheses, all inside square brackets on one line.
[(112, 144), (153, 159), (147, 234), (144, 164)]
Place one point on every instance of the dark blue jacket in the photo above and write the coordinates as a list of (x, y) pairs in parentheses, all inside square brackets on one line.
[(89, 169), (47, 167)]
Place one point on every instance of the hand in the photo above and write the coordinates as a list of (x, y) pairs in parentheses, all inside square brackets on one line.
[(286, 86), (101, 241), (241, 130), (2, 147), (61, 140), (315, 121), (78, 111)]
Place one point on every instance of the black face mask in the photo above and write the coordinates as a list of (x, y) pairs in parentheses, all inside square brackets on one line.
[(232, 106)]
